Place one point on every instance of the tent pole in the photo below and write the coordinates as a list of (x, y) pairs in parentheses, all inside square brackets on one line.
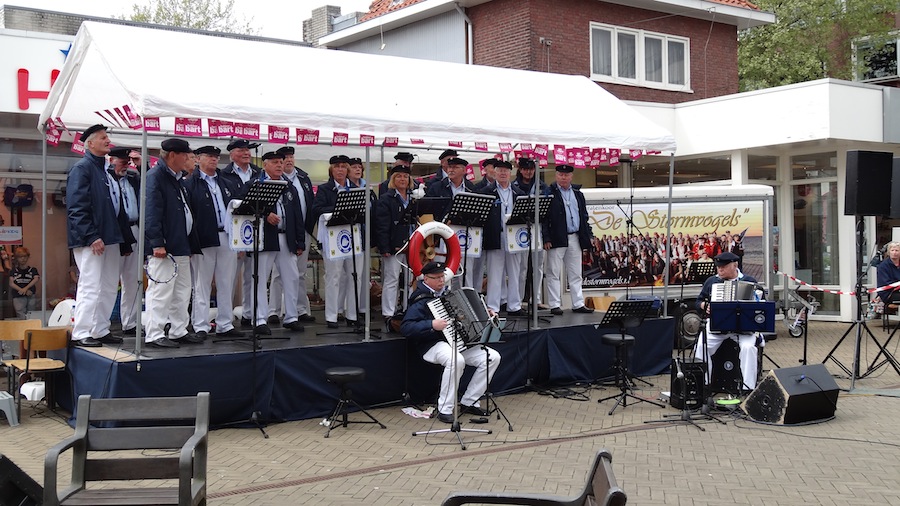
[(44, 222), (367, 258), (142, 200), (667, 238)]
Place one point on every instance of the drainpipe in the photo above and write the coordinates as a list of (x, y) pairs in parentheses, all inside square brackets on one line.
[(470, 50)]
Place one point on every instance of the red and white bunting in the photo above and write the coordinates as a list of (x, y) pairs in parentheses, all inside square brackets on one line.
[(391, 142), (151, 124), (543, 163), (526, 148), (470, 172), (505, 147), (59, 124), (417, 141), (635, 153), (595, 157), (340, 139), (218, 128), (134, 121), (188, 127), (454, 144), (559, 153), (249, 131), (279, 135), (52, 136), (77, 146), (481, 146), (306, 136), (517, 154), (366, 140), (541, 151)]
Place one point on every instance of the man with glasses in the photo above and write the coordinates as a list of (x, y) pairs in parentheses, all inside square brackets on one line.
[(526, 181), (129, 265), (420, 325), (243, 171), (452, 185)]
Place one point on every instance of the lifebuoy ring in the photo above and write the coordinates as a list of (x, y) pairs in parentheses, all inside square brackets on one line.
[(454, 252)]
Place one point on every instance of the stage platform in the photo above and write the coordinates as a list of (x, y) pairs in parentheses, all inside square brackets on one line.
[(285, 379)]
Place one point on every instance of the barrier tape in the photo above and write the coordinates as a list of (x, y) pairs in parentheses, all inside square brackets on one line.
[(896, 284)]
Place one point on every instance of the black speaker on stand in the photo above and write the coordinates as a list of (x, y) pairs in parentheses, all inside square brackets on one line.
[(869, 183)]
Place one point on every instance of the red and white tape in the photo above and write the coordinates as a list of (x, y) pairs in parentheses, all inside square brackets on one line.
[(839, 292)]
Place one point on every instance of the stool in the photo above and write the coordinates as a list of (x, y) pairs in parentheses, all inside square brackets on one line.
[(624, 377), (342, 377), (8, 406)]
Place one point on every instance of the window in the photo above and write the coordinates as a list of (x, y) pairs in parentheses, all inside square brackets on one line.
[(875, 62), (639, 58)]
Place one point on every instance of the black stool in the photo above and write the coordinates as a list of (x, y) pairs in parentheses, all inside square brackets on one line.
[(624, 377), (342, 376)]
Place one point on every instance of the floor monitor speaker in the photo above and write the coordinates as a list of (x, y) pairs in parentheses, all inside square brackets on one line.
[(793, 395), (869, 183)]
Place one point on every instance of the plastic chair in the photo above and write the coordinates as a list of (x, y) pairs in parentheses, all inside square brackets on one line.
[(37, 342)]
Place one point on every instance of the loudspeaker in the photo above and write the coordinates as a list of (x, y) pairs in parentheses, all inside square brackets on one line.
[(895, 190), (726, 368), (793, 395), (16, 487), (687, 391), (869, 183)]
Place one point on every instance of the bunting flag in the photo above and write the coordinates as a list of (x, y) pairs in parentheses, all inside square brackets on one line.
[(559, 153), (417, 141), (279, 135), (635, 153), (340, 139), (249, 131), (52, 136), (391, 142), (526, 148), (77, 146), (306, 136), (481, 146), (219, 128), (188, 127), (505, 147), (366, 140), (470, 172), (151, 124), (133, 120), (455, 144)]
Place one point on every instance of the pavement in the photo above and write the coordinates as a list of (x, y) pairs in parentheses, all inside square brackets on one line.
[(849, 460)]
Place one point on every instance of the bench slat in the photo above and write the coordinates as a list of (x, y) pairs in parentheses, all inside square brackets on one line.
[(123, 497), (138, 438), (150, 468)]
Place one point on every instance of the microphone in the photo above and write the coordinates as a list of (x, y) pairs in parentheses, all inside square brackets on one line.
[(679, 373)]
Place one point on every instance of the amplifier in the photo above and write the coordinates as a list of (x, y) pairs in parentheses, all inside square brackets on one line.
[(687, 392)]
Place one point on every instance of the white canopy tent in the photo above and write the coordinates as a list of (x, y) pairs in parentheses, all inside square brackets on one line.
[(298, 87)]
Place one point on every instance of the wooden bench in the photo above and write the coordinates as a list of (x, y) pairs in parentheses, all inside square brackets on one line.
[(601, 489), (104, 427)]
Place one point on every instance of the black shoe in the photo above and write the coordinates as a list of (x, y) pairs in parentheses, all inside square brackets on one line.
[(274, 320), (164, 342), (473, 410), (88, 342), (502, 307), (262, 330), (583, 310), (295, 326), (110, 339), (307, 318), (341, 317), (246, 323), (232, 332), (520, 312), (446, 418), (190, 339), (557, 311), (130, 332), (351, 323), (332, 325)]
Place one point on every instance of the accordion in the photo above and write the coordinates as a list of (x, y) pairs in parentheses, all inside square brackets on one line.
[(728, 291), (470, 323)]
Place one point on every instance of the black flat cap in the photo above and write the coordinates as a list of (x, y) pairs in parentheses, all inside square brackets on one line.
[(176, 145), (406, 157), (526, 163), (565, 168), (399, 168), (433, 268), (208, 150), (241, 143), (285, 150), (87, 133), (356, 161), (457, 161), (273, 155), (338, 159), (448, 152), (726, 258), (502, 164), (119, 153), (491, 161)]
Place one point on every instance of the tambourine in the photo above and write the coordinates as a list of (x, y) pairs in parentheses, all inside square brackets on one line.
[(170, 278)]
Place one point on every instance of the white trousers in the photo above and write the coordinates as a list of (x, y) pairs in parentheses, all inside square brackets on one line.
[(504, 269), (390, 287), (485, 366), (130, 305), (168, 302), (538, 259), (748, 354), (245, 267), (276, 289), (219, 263), (96, 291), (571, 257), (340, 272)]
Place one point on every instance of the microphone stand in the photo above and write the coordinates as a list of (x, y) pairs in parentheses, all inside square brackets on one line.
[(686, 415)]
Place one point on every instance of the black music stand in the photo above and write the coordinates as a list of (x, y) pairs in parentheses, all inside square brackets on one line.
[(260, 200), (349, 209), (470, 210), (625, 314), (698, 272)]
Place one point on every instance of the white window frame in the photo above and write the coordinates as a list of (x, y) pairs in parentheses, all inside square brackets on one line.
[(866, 43), (640, 62)]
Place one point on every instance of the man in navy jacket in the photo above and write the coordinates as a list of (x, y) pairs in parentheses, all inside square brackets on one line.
[(449, 187), (566, 236), (130, 265), (169, 230), (94, 235)]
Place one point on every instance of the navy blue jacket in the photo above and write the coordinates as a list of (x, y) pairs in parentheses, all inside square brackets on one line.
[(706, 291), (554, 229), (293, 223), (527, 188), (417, 321), (390, 233), (309, 223), (201, 202), (229, 171), (887, 273), (164, 223), (443, 188), (493, 235), (326, 198), (89, 208)]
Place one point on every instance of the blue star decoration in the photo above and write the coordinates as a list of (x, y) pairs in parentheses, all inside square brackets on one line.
[(65, 51)]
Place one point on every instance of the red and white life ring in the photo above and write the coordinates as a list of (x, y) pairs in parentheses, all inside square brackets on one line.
[(454, 252)]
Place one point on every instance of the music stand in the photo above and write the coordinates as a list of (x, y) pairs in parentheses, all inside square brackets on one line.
[(349, 209), (698, 272), (471, 210), (625, 314), (260, 200)]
